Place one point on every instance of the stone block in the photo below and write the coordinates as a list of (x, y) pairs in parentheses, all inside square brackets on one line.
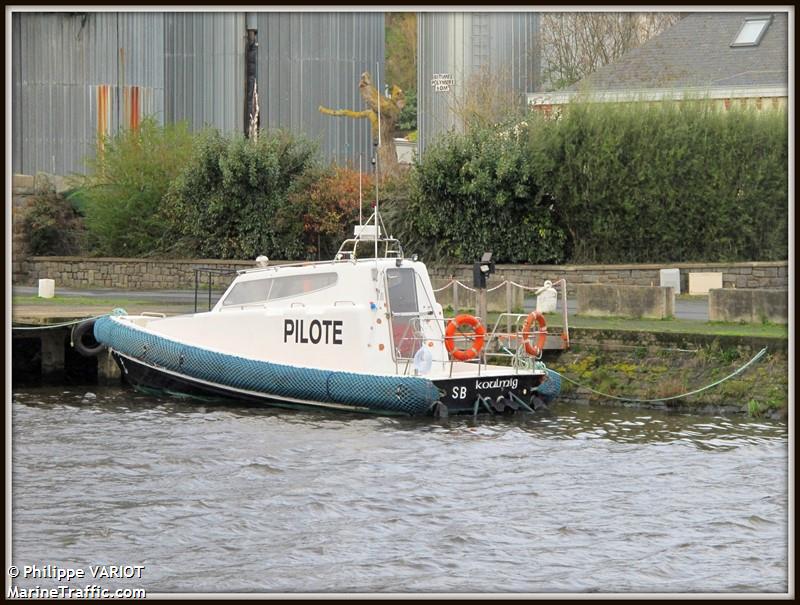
[(751, 305), (23, 182), (670, 278), (701, 283), (605, 300)]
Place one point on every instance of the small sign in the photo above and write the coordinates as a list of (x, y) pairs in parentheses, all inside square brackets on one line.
[(442, 82)]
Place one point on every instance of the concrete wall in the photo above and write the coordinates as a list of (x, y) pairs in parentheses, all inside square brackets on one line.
[(749, 305), (652, 302)]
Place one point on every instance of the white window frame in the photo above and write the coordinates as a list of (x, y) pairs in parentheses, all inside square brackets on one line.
[(767, 20)]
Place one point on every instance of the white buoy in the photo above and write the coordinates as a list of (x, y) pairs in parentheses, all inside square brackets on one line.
[(47, 288), (547, 298)]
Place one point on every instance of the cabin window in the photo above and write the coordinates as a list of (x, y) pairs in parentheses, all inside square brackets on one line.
[(295, 285), (248, 292), (402, 293), (262, 290), (402, 290)]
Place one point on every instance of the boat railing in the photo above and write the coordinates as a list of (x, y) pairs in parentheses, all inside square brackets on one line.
[(499, 344), (210, 273), (387, 248), (499, 347)]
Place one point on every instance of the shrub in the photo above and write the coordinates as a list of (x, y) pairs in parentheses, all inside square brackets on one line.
[(473, 193), (328, 208), (125, 188), (52, 226), (231, 201), (408, 115), (668, 183)]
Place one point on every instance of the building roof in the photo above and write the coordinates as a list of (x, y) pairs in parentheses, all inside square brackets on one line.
[(696, 53)]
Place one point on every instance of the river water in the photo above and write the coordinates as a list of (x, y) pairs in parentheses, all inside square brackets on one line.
[(219, 498)]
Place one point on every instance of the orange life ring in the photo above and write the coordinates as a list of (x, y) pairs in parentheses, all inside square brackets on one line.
[(534, 350), (477, 342)]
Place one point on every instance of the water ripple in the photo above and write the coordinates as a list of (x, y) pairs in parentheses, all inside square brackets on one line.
[(231, 498)]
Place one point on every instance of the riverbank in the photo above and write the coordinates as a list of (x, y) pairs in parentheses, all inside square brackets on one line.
[(633, 359), (605, 367)]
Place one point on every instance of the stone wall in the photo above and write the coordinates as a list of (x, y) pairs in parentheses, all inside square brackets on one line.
[(23, 190), (85, 272), (734, 275), (128, 273)]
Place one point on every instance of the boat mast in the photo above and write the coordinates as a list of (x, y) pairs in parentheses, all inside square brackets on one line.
[(377, 156)]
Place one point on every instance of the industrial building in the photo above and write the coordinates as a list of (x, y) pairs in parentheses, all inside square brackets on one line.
[(79, 76), (455, 47)]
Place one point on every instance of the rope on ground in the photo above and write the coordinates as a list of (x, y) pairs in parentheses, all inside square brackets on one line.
[(758, 356), (59, 325)]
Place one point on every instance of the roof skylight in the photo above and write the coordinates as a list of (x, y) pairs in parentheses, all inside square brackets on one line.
[(752, 31)]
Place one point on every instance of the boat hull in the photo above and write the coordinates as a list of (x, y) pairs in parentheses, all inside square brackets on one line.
[(150, 379), (460, 394), (460, 398), (151, 362)]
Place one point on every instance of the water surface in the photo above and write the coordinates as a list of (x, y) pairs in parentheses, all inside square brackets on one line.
[(216, 498)]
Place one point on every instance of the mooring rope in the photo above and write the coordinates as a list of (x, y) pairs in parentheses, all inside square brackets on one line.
[(758, 356), (60, 325), (117, 311)]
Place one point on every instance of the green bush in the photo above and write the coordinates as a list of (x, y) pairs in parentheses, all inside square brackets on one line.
[(52, 226), (327, 207), (232, 200), (604, 183), (407, 121), (668, 183), (123, 193), (474, 193)]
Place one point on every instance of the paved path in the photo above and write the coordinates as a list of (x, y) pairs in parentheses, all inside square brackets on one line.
[(684, 309)]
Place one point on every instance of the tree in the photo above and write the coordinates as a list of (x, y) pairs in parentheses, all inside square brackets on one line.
[(390, 108), (574, 45), (401, 50), (486, 99)]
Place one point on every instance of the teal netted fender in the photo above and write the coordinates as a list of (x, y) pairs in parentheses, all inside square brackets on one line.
[(405, 394)]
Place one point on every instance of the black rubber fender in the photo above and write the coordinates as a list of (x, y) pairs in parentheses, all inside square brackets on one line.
[(83, 340)]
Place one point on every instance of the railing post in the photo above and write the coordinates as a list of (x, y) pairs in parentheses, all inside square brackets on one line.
[(196, 271), (508, 306), (455, 295), (483, 313)]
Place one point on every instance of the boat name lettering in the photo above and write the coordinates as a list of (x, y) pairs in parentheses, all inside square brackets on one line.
[(326, 331), (497, 383)]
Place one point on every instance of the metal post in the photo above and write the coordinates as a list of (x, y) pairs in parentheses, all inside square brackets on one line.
[(196, 284), (482, 314), (508, 306), (455, 295), (210, 275)]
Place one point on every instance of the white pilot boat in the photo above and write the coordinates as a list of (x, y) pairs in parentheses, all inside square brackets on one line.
[(355, 333)]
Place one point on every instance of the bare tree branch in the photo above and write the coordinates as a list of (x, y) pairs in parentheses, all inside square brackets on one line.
[(574, 45)]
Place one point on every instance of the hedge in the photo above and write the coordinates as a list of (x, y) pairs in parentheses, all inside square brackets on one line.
[(606, 183), (670, 182)]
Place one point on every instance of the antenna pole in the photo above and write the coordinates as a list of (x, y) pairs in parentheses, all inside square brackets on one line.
[(377, 156)]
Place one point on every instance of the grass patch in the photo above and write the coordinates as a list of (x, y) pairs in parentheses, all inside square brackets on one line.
[(81, 301)]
